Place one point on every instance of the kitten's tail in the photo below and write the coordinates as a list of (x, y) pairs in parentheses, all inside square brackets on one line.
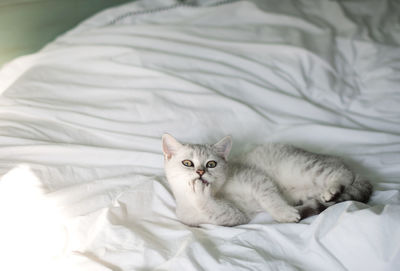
[(359, 190)]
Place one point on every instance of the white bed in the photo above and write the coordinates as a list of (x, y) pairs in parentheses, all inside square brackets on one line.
[(83, 186)]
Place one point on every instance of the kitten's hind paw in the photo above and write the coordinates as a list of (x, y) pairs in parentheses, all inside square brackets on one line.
[(331, 193), (287, 215)]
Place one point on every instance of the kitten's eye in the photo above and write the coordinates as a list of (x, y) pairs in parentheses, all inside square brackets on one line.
[(187, 163), (211, 164)]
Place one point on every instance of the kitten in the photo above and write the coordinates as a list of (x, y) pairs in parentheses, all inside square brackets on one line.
[(287, 182)]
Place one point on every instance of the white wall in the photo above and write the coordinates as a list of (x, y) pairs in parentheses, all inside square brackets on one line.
[(27, 25)]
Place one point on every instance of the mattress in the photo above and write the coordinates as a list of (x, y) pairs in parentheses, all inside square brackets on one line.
[(83, 186)]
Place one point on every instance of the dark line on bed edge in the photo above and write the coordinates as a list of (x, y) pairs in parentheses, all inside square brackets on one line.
[(161, 9)]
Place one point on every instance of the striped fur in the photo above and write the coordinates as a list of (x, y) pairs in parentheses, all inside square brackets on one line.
[(287, 182)]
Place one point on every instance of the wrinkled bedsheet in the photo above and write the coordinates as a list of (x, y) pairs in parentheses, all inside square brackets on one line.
[(81, 123)]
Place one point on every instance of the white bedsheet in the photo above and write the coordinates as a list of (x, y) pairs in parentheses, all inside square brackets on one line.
[(86, 114)]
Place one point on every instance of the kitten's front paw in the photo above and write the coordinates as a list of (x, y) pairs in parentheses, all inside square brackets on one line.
[(201, 189), (287, 215)]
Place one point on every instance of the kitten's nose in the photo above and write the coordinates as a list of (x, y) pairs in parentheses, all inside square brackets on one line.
[(200, 172)]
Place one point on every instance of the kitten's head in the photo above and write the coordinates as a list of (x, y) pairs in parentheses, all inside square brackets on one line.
[(185, 163)]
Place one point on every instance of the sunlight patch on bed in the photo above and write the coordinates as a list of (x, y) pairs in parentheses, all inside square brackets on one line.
[(31, 230)]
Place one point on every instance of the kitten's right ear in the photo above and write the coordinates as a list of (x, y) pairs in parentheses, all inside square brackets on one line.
[(170, 146), (223, 147)]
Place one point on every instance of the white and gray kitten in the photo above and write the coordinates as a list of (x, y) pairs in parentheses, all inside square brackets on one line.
[(287, 182)]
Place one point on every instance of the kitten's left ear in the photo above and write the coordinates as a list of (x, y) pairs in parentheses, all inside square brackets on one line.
[(170, 145), (223, 147)]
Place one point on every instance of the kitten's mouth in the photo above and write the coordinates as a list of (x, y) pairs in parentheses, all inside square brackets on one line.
[(203, 181)]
